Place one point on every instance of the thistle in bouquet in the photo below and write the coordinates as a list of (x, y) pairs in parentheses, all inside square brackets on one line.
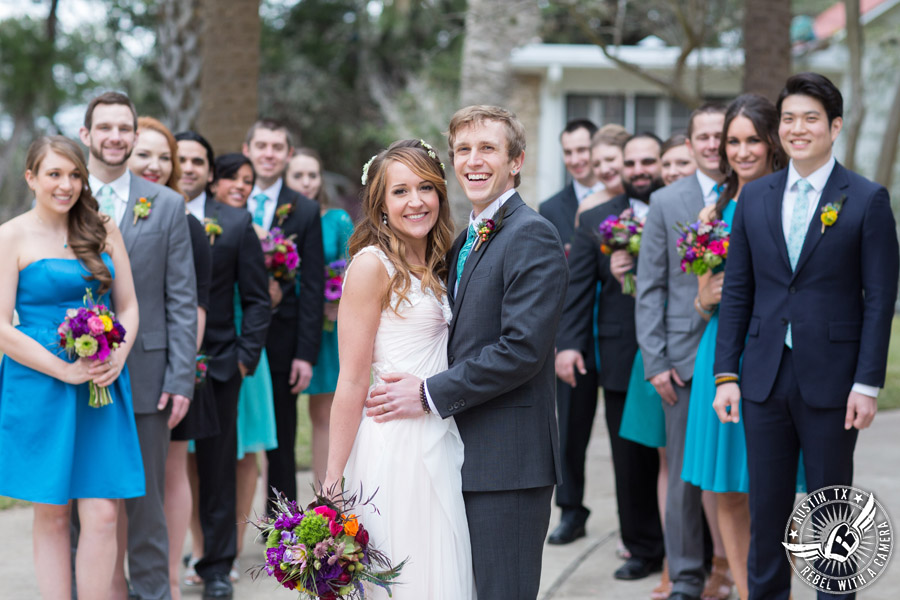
[(703, 246), (622, 232), (323, 551), (91, 332), (334, 286), (280, 253)]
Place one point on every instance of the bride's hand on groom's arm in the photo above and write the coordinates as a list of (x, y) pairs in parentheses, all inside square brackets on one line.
[(397, 398)]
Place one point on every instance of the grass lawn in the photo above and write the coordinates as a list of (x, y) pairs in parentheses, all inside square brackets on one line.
[(887, 400)]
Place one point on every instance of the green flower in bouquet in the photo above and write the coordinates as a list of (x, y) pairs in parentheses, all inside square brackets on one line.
[(85, 345), (312, 530)]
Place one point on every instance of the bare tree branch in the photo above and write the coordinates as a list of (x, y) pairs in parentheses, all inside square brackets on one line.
[(884, 172), (857, 112)]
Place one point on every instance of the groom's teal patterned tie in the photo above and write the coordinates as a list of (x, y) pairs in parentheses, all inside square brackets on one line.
[(464, 253), (259, 213), (796, 236)]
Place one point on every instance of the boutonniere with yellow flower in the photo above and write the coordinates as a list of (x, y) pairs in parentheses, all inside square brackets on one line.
[(212, 228), (830, 212), (142, 208), (283, 212)]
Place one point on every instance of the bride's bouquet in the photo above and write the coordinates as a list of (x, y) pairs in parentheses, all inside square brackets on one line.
[(323, 552), (92, 332)]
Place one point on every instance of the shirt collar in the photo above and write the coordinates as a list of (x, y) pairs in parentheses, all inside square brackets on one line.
[(121, 186), (582, 191), (817, 179), (272, 192), (707, 183), (492, 208)]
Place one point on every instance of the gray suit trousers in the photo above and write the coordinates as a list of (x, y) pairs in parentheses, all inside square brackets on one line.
[(684, 512), (148, 537), (507, 530)]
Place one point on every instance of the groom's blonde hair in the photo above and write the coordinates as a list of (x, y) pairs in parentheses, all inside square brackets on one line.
[(477, 114)]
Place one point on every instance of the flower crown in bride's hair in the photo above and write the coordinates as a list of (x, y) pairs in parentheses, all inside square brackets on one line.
[(429, 149), (431, 153), (365, 171)]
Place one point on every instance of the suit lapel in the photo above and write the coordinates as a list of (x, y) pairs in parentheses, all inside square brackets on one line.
[(773, 201), (284, 197), (130, 230), (453, 256), (835, 186), (508, 208)]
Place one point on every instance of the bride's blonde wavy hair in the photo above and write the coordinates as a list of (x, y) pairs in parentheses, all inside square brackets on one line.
[(371, 230)]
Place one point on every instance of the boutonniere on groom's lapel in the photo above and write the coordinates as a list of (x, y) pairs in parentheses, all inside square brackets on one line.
[(283, 211), (487, 228), (142, 208), (212, 228), (830, 212)]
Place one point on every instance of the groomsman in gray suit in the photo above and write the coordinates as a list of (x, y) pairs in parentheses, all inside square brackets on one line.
[(161, 362), (668, 332), (507, 293)]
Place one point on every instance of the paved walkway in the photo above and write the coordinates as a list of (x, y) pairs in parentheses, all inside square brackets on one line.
[(581, 570)]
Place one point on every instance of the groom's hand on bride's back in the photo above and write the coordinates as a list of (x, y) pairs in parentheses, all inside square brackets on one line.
[(396, 398)]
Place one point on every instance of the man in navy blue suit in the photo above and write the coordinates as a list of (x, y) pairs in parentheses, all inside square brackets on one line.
[(808, 302)]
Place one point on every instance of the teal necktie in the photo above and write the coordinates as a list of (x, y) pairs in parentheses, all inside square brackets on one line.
[(464, 253), (259, 212), (717, 189), (796, 236), (106, 201)]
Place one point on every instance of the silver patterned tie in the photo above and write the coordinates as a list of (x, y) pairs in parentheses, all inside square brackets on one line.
[(106, 201), (797, 235)]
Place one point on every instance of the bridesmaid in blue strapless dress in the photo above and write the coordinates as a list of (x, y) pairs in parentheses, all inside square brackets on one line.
[(54, 447)]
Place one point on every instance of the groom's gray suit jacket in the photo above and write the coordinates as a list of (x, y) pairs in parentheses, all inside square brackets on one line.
[(159, 247), (668, 328), (501, 384)]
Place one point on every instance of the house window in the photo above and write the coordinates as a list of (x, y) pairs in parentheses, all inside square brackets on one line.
[(658, 114), (601, 109)]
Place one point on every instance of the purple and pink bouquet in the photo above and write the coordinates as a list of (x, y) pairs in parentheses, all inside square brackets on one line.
[(622, 233), (323, 552), (281, 255), (334, 286), (703, 247), (91, 332)]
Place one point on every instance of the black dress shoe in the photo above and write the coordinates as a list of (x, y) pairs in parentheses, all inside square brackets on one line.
[(218, 587), (638, 568), (566, 532), (682, 596)]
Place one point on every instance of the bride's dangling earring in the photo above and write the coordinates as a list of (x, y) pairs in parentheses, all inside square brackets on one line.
[(384, 219)]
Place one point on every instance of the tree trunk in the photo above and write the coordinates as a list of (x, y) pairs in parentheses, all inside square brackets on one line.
[(493, 29), (884, 172), (180, 61), (857, 111), (230, 77), (767, 46)]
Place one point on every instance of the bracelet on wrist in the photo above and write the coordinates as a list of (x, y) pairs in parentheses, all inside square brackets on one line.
[(722, 379), (423, 398), (700, 307)]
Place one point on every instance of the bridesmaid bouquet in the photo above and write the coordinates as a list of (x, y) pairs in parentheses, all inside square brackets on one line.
[(323, 552), (281, 255), (334, 286), (92, 332), (622, 233), (703, 247)]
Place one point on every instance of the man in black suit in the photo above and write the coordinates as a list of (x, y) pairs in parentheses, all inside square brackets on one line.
[(807, 303), (635, 466), (576, 404), (296, 331), (237, 259), (560, 208)]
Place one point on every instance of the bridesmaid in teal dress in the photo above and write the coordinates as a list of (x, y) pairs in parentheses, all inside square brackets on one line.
[(304, 174), (715, 453), (54, 447)]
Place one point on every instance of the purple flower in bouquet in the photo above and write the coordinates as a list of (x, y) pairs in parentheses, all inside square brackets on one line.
[(288, 520)]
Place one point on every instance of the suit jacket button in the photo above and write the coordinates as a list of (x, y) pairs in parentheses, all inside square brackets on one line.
[(450, 359), (792, 290), (463, 403)]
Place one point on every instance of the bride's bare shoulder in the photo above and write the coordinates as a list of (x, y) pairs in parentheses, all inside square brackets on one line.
[(366, 271)]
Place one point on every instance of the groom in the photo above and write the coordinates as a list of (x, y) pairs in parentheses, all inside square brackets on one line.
[(507, 292)]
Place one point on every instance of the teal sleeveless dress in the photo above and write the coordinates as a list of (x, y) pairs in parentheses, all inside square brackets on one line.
[(643, 419), (715, 453), (337, 227), (53, 446), (256, 405)]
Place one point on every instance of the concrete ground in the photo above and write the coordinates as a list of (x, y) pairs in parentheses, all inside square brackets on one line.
[(581, 570)]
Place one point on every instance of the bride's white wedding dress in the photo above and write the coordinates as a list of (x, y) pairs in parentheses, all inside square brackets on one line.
[(414, 463)]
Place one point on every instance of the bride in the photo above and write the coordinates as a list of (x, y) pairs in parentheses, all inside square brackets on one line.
[(394, 318)]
